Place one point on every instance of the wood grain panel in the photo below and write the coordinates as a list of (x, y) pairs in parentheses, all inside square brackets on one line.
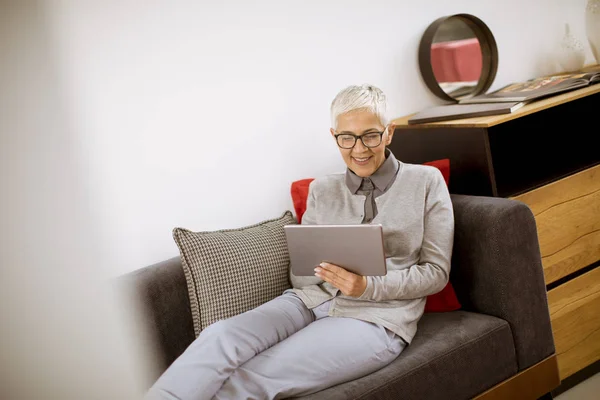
[(574, 312), (567, 214), (531, 383)]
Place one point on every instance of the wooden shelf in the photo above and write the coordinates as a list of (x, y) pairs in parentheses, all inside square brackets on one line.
[(489, 121), (510, 155)]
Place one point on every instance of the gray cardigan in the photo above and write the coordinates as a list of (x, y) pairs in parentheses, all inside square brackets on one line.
[(418, 226)]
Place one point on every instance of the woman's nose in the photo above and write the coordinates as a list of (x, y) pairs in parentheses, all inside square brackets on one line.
[(359, 147)]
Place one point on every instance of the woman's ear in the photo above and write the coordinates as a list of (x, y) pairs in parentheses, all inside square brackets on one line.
[(332, 131), (390, 133)]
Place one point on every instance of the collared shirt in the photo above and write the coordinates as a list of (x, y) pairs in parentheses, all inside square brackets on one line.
[(373, 186)]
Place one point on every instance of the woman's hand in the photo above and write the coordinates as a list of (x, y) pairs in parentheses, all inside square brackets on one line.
[(349, 283)]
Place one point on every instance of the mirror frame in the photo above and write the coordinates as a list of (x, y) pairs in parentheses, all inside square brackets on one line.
[(489, 53)]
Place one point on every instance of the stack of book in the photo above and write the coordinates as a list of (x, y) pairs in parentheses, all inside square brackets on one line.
[(510, 97)]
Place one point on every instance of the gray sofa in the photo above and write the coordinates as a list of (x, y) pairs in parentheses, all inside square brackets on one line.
[(503, 328)]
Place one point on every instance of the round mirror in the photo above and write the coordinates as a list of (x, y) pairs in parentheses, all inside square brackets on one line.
[(458, 57)]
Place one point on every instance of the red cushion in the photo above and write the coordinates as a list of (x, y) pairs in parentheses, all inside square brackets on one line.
[(440, 302), (444, 167), (299, 196)]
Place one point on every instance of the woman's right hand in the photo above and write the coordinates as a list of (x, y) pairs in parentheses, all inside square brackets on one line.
[(350, 284)]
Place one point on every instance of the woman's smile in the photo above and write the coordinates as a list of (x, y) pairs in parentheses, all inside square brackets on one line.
[(361, 160)]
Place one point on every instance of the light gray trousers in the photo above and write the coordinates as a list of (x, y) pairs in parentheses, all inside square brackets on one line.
[(279, 349)]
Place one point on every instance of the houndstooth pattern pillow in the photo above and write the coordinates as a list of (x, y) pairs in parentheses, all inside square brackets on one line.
[(232, 271)]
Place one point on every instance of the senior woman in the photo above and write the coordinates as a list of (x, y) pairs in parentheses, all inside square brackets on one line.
[(336, 326)]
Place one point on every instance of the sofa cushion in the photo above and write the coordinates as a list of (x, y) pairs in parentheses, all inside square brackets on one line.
[(478, 349), (232, 271), (443, 301)]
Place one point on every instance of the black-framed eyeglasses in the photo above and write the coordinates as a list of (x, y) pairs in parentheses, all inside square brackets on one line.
[(348, 140)]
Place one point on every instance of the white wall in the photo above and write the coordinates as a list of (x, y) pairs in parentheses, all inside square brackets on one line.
[(201, 113)]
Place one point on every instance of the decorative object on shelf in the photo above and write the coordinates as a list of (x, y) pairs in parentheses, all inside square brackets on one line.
[(458, 57), (592, 26), (570, 51)]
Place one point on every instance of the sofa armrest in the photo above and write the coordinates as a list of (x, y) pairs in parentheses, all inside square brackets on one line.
[(162, 294), (497, 270)]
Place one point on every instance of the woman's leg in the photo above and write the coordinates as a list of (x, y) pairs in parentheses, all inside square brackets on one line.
[(327, 352), (223, 346)]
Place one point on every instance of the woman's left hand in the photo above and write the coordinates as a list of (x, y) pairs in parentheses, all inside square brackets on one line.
[(349, 283)]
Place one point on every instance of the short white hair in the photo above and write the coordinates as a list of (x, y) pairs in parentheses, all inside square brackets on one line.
[(359, 97)]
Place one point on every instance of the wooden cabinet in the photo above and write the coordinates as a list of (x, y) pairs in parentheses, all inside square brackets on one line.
[(545, 155)]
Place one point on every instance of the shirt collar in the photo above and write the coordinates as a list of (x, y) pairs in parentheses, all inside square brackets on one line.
[(381, 179)]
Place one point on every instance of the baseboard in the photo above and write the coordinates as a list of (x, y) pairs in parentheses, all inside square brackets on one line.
[(577, 378)]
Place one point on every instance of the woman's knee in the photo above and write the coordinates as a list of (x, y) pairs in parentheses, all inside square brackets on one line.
[(219, 329)]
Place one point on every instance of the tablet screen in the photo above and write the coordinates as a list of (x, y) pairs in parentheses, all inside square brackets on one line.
[(356, 248)]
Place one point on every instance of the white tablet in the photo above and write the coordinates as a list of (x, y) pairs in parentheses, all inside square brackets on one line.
[(356, 248)]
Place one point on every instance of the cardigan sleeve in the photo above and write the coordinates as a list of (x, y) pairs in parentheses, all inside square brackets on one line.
[(432, 271)]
